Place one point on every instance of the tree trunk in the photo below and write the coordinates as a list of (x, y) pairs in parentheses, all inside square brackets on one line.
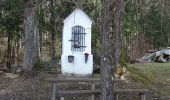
[(53, 31), (118, 19), (111, 17), (31, 43), (17, 52), (8, 62), (106, 50)]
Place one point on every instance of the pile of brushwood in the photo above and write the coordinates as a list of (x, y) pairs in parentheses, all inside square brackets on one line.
[(161, 56)]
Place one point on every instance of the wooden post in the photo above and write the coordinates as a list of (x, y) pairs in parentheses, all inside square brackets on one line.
[(61, 98), (54, 92), (142, 96), (117, 97), (92, 88)]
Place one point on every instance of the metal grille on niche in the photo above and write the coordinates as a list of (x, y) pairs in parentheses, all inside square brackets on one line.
[(78, 38)]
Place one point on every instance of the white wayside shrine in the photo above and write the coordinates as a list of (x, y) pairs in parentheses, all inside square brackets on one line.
[(76, 55)]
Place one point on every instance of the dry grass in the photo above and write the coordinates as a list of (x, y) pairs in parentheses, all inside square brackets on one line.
[(155, 75)]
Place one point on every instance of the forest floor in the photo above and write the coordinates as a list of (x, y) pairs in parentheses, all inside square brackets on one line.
[(25, 88), (33, 88)]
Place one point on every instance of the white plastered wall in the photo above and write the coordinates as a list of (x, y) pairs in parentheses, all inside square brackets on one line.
[(78, 66)]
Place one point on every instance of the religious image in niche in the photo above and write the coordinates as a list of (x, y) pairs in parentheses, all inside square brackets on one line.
[(76, 41)]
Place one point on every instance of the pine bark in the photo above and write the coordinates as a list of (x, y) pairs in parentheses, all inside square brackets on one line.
[(106, 50), (31, 43), (111, 18), (118, 21), (53, 30)]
